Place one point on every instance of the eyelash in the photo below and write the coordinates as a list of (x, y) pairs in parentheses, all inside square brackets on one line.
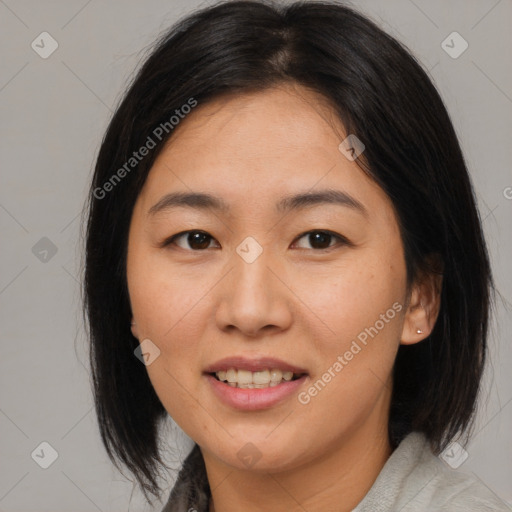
[(342, 240)]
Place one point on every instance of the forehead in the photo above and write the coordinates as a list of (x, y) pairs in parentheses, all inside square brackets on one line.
[(255, 147), (285, 121)]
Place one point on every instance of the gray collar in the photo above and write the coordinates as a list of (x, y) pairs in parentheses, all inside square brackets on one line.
[(191, 490), (412, 480)]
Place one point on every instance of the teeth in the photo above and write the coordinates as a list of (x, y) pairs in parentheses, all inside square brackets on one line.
[(244, 377), (261, 377), (250, 380), (276, 375)]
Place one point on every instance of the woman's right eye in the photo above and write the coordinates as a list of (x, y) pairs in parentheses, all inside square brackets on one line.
[(196, 240)]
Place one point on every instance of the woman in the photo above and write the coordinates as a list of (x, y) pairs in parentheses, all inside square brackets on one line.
[(285, 256)]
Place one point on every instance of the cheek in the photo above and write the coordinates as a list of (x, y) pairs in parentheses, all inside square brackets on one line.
[(351, 297), (362, 309), (168, 312), (161, 299), (170, 315)]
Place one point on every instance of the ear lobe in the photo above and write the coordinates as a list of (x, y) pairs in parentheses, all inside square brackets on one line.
[(423, 309)]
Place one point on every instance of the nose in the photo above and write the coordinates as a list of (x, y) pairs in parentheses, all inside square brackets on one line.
[(253, 299)]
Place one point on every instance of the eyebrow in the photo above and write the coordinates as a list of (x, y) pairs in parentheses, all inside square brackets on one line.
[(203, 201)]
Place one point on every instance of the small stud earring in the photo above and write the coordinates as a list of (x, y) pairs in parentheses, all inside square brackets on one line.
[(419, 331)]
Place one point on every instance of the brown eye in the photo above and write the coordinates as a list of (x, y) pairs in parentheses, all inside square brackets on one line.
[(196, 240), (321, 240), (200, 240)]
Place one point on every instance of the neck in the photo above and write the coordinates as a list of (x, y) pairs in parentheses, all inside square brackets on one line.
[(336, 480)]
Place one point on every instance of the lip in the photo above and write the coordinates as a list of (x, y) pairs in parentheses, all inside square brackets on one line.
[(253, 365), (254, 399)]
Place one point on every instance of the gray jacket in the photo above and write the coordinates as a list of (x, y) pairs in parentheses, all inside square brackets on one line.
[(412, 480)]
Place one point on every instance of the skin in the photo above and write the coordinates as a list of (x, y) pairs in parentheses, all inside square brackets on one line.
[(297, 301)]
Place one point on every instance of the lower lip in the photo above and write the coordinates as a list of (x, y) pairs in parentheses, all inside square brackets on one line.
[(257, 398)]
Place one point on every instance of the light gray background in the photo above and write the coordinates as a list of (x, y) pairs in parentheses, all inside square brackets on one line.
[(53, 115)]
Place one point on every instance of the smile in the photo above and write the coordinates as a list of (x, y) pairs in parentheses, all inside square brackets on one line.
[(254, 383), (245, 379)]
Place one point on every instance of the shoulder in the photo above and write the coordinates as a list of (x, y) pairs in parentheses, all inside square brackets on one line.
[(415, 480), (450, 490), (191, 491)]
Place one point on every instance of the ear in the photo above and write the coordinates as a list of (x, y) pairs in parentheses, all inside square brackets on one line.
[(424, 305), (134, 328)]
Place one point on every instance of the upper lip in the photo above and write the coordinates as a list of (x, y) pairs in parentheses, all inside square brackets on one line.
[(256, 364)]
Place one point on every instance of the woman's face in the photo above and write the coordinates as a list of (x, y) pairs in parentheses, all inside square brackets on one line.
[(253, 286)]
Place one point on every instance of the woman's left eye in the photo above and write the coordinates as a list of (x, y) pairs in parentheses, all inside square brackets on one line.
[(200, 240), (322, 239)]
